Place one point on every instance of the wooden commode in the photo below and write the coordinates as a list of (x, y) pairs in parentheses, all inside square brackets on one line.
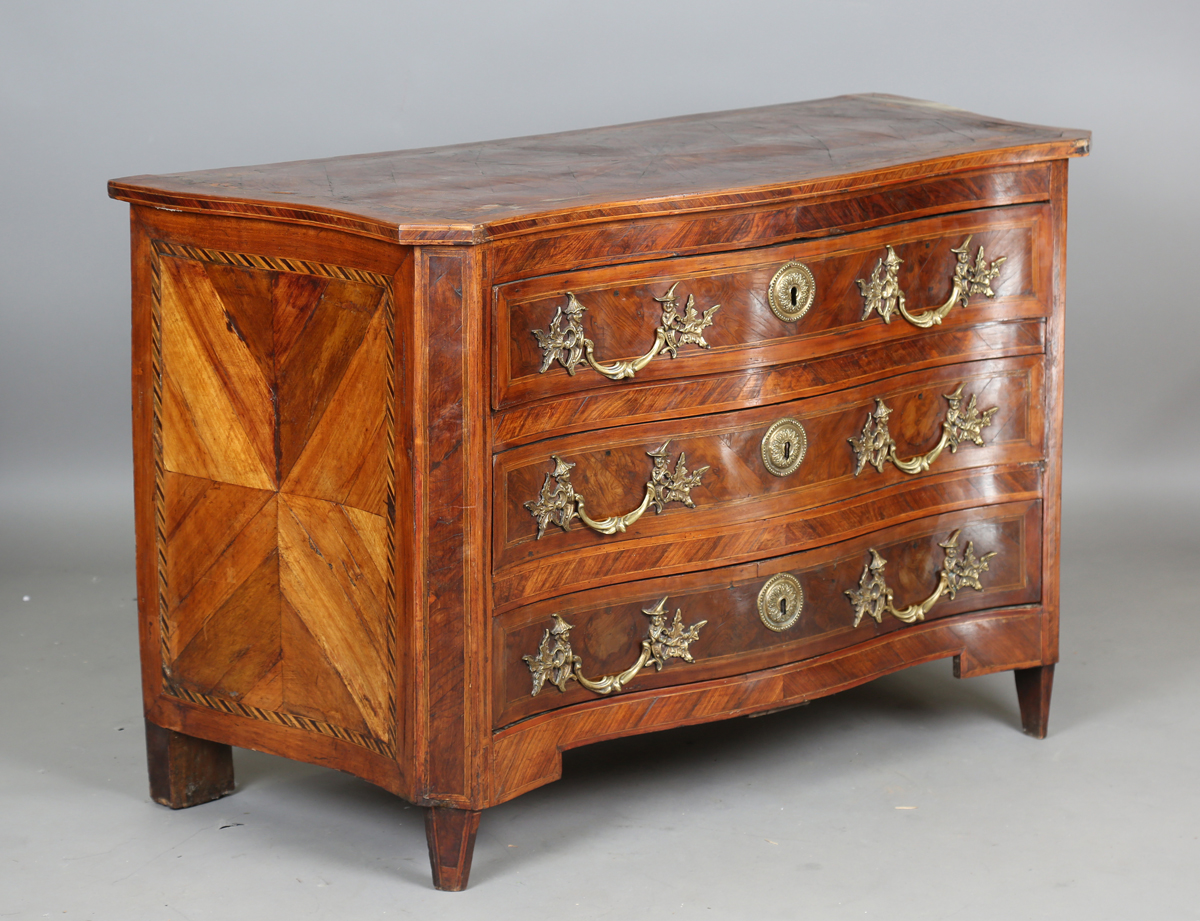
[(449, 460)]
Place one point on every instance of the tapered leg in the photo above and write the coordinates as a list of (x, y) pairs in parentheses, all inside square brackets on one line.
[(451, 837), (185, 771), (1033, 694)]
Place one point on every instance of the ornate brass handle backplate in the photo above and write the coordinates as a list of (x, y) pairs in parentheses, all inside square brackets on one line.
[(874, 598), (555, 662), (882, 290), (876, 447), (558, 503), (566, 342)]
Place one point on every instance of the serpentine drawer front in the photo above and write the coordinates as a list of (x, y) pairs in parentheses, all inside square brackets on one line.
[(678, 318), (447, 461), (746, 627), (746, 466)]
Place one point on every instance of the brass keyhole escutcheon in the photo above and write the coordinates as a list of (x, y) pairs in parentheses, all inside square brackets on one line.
[(780, 601), (783, 447), (791, 291)]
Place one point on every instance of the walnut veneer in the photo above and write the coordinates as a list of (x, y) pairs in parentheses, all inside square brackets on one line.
[(375, 410)]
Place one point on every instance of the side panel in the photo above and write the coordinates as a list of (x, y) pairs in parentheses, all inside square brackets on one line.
[(265, 400)]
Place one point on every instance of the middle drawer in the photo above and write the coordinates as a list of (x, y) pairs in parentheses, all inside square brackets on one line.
[(603, 490)]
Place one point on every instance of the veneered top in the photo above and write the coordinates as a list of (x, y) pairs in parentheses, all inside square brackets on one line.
[(468, 193)]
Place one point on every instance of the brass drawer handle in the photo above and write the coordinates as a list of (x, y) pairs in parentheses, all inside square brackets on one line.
[(874, 598), (558, 502), (556, 662), (569, 345), (882, 291), (876, 447)]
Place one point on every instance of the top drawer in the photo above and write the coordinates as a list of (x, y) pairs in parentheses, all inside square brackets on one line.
[(611, 328)]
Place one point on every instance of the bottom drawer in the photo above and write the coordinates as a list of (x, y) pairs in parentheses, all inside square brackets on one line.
[(727, 621)]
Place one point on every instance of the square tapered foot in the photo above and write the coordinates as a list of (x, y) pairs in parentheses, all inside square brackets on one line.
[(186, 771), (1033, 695), (450, 834)]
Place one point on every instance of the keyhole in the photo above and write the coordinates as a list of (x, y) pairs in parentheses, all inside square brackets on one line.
[(783, 609), (795, 296), (787, 450)]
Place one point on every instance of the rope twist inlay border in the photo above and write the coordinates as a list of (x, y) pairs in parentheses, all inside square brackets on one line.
[(161, 248)]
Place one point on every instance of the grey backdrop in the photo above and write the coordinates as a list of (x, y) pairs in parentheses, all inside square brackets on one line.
[(92, 91)]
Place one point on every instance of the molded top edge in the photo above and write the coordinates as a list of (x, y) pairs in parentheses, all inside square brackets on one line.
[(467, 193)]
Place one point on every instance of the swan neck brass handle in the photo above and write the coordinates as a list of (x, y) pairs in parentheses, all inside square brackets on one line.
[(876, 447), (874, 599), (558, 502), (565, 341), (883, 294), (557, 663)]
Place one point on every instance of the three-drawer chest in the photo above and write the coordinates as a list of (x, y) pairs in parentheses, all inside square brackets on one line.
[(449, 460)]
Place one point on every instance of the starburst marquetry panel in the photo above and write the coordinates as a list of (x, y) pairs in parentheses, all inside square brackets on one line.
[(274, 441)]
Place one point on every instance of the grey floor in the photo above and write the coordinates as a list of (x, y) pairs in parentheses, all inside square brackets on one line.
[(916, 796)]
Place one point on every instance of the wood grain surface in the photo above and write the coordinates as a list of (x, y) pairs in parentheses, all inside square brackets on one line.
[(612, 467), (450, 444), (859, 362), (719, 545), (275, 485), (450, 834), (838, 209), (529, 754), (621, 313), (472, 192), (186, 771), (1033, 696), (609, 624)]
